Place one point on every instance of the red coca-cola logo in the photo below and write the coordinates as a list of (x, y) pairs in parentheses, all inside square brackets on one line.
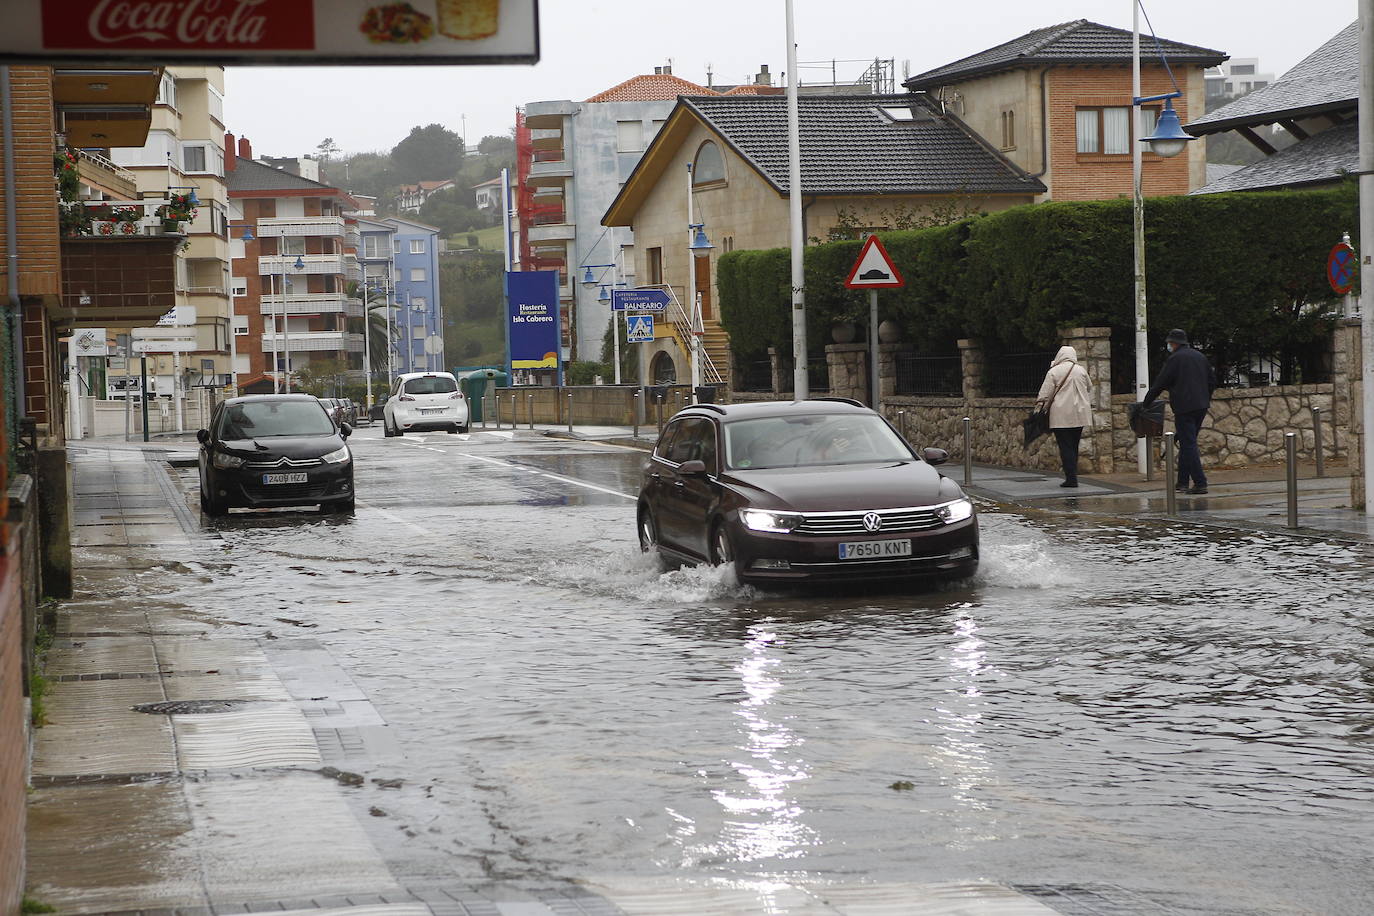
[(172, 25)]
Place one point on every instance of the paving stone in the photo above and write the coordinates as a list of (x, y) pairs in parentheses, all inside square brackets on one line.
[(92, 729)]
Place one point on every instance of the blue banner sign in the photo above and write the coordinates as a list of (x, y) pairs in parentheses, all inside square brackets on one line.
[(639, 300), (532, 318), (639, 328)]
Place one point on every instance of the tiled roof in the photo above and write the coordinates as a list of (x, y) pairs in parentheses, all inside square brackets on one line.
[(1077, 42), (1324, 157), (248, 175), (850, 147), (1328, 79), (651, 87), (755, 90), (496, 180)]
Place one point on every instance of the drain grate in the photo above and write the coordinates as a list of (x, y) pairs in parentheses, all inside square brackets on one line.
[(1094, 900), (191, 707)]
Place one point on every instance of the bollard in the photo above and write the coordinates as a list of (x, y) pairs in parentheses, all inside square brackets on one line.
[(1290, 445), (498, 410), (968, 451), (1149, 459), (901, 423), (660, 415), (570, 403), (484, 410), (1170, 495), (634, 413), (1317, 441), (529, 403)]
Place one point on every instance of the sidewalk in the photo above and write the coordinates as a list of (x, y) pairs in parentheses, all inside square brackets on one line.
[(1253, 498)]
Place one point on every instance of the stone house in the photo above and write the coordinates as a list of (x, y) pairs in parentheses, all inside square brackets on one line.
[(881, 157)]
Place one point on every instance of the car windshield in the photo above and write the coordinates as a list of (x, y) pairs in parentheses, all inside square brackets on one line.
[(262, 419), (431, 384), (807, 440)]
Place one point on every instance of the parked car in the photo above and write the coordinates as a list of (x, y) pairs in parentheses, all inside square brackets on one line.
[(271, 450), (348, 413), (800, 492), (330, 407), (425, 401)]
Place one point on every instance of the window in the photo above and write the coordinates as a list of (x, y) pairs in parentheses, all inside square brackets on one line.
[(1242, 69), (655, 257), (417, 246), (1107, 131), (238, 286), (267, 209), (709, 166), (375, 246), (396, 246), (1009, 129), (167, 91), (418, 331), (895, 113), (434, 384), (288, 245), (417, 275), (193, 158), (629, 136), (419, 303)]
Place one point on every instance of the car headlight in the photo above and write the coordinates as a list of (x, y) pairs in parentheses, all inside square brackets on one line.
[(955, 511), (762, 520), (338, 457), (225, 461)]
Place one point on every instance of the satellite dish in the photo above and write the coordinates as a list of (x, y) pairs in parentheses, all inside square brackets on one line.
[(434, 344)]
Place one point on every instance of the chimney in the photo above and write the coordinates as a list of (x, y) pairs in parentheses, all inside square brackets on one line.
[(231, 161), (668, 70), (764, 78), (658, 71), (245, 148)]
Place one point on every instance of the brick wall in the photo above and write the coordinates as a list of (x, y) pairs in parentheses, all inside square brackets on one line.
[(1097, 176), (14, 745)]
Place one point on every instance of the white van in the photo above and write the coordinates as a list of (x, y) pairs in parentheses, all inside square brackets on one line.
[(425, 401)]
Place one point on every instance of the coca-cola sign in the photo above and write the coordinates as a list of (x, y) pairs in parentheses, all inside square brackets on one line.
[(157, 32), (232, 25)]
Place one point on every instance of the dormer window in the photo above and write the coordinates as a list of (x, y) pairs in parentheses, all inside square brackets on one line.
[(898, 113)]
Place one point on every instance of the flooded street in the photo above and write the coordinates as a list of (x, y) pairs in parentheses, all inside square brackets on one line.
[(1174, 718)]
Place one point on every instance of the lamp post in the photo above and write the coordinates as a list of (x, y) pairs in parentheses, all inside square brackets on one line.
[(1366, 143), (589, 281), (1167, 141), (367, 340), (698, 246), (800, 382), (286, 318), (248, 236)]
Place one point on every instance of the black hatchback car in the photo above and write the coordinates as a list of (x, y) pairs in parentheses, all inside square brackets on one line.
[(272, 450), (800, 492)]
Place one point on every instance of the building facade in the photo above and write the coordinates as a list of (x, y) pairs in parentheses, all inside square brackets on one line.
[(293, 260), (413, 196), (419, 321), (377, 260)]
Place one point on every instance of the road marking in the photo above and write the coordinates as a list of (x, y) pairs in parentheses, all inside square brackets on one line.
[(560, 478), (394, 517), (428, 448)]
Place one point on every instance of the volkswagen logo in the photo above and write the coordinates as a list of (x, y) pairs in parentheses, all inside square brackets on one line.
[(873, 521)]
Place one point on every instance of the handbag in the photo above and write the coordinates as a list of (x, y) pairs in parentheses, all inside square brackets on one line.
[(1038, 423)]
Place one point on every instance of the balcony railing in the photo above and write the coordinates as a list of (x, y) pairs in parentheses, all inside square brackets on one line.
[(274, 264), (97, 171), (306, 304), (118, 219), (301, 227), (313, 342)]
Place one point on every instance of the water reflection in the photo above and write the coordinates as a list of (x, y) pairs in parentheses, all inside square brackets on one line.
[(962, 755), (762, 821)]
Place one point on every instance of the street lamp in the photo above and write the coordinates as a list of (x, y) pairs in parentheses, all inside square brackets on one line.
[(1168, 140), (589, 281), (698, 247), (286, 319)]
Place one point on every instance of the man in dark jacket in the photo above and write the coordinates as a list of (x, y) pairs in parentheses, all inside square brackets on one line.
[(1190, 381)]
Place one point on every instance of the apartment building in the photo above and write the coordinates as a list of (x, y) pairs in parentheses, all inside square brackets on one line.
[(293, 258), (376, 258), (419, 316), (184, 155)]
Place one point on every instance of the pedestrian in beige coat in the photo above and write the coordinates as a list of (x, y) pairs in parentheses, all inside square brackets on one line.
[(1068, 395)]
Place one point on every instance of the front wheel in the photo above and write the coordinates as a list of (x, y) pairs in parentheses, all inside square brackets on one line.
[(648, 532), (722, 551)]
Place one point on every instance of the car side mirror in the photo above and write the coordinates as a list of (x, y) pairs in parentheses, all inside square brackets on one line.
[(345, 430), (203, 436), (692, 468), (934, 456)]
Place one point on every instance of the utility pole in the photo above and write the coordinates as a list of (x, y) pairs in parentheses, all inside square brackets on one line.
[(1366, 118), (794, 191)]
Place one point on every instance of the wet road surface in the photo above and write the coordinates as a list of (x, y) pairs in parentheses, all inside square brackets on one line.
[(1177, 717)]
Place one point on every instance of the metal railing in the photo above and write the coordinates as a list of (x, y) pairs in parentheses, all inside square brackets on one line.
[(755, 375), (930, 376), (817, 376), (1017, 375)]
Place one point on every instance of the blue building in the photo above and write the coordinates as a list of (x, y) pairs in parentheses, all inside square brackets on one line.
[(419, 322), (379, 275)]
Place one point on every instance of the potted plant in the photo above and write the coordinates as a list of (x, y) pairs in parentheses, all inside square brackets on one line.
[(176, 211)]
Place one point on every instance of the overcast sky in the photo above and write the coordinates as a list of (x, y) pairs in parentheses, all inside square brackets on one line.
[(590, 46)]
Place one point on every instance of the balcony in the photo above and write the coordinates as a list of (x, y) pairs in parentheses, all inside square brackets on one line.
[(307, 304), (353, 238), (276, 264), (295, 227), (353, 271), (314, 342), (553, 232), (549, 172), (120, 219), (100, 173), (548, 115), (117, 279)]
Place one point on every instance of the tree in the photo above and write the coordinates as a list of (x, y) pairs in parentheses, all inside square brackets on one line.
[(328, 149), (430, 153), (498, 147), (450, 213), (322, 377)]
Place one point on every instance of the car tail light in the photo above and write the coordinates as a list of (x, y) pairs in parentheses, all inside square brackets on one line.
[(405, 397), (456, 396)]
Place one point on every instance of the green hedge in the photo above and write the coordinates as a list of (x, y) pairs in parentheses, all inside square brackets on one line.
[(1242, 273)]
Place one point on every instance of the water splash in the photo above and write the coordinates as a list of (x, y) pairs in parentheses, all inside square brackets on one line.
[(631, 574)]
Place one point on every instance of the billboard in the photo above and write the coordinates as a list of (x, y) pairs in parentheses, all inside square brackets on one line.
[(158, 32), (532, 319)]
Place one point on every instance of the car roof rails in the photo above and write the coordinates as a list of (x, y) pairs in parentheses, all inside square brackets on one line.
[(849, 401), (716, 407)]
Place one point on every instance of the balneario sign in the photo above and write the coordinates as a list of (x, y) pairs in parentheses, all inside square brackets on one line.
[(271, 31)]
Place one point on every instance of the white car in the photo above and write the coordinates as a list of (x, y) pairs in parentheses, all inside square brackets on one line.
[(425, 401)]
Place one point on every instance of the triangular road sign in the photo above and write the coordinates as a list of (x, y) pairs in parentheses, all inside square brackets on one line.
[(874, 268)]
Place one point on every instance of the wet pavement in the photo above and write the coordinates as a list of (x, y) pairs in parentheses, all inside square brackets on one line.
[(476, 696)]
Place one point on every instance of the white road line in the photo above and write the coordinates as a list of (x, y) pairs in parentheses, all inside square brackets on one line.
[(395, 518), (572, 480)]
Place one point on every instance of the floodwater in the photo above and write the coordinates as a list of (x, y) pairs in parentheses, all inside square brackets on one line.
[(1180, 713)]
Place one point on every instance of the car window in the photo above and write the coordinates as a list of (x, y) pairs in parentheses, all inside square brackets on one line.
[(816, 439), (262, 419), (695, 442), (665, 441), (431, 384)]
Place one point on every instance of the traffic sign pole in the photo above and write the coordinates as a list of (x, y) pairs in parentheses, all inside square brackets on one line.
[(873, 270), (873, 347)]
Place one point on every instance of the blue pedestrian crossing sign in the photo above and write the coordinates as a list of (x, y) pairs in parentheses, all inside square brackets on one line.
[(639, 328)]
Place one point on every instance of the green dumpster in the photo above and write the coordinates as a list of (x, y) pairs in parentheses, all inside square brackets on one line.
[(477, 383)]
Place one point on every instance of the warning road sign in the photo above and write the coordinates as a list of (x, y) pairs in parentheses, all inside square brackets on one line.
[(874, 268), (639, 328)]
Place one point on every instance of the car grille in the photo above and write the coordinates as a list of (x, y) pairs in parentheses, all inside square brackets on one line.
[(895, 521), (284, 463), (305, 492)]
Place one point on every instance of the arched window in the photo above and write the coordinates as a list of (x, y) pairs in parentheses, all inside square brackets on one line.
[(709, 166)]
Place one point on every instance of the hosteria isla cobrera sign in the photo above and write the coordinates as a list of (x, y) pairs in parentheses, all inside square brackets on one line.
[(270, 31)]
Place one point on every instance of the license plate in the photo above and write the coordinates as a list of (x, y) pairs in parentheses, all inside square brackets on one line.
[(874, 550), (297, 477), (433, 409)]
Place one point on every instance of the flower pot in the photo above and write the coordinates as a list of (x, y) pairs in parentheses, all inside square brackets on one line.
[(844, 332), (171, 225)]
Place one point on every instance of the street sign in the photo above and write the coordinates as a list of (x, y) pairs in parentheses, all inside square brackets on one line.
[(639, 300), (89, 342), (639, 328), (312, 32), (179, 316), (1341, 268), (163, 340), (874, 268)]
